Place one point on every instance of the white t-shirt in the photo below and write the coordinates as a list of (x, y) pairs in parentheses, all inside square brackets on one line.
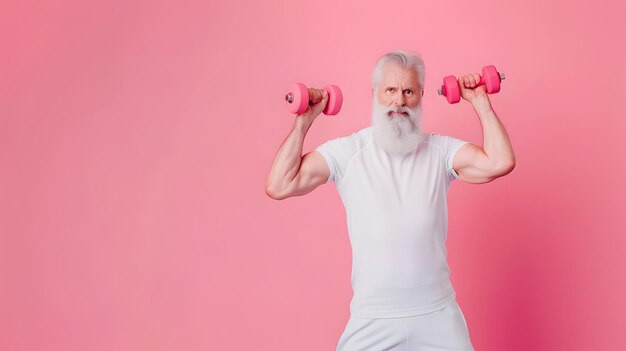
[(396, 208)]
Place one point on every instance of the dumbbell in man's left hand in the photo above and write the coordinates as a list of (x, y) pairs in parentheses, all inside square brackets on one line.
[(472, 92)]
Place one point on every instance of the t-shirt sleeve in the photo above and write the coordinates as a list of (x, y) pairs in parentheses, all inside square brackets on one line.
[(452, 146), (337, 153)]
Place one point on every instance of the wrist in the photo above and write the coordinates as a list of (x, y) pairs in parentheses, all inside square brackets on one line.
[(302, 124), (481, 104)]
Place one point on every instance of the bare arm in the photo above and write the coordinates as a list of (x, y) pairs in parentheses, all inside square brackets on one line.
[(475, 164), (293, 174)]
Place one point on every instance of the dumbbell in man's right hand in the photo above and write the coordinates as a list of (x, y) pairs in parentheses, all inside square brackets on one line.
[(318, 98), (302, 100)]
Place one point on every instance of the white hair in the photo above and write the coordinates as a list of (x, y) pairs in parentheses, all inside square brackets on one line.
[(407, 60)]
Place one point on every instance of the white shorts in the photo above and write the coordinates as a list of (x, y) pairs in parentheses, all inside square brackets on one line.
[(444, 329)]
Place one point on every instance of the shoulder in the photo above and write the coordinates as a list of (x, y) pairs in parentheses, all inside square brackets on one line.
[(363, 136), (435, 138), (338, 152), (435, 141), (446, 143), (350, 143)]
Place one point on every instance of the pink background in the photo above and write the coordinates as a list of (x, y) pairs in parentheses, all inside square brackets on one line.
[(136, 139)]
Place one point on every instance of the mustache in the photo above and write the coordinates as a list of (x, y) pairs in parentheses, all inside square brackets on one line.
[(402, 109)]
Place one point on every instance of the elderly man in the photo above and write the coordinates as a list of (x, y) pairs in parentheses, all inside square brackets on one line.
[(393, 179)]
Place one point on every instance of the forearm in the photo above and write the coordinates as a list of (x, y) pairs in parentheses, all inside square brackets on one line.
[(496, 143), (289, 157)]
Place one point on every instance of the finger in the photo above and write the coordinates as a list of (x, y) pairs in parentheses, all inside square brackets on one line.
[(463, 82), (324, 94), (477, 78), (320, 94), (315, 96), (472, 80)]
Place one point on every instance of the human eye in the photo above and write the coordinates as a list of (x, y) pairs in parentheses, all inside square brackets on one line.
[(390, 90), (409, 91)]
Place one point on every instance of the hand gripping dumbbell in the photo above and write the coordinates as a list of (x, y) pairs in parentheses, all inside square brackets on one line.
[(490, 77), (297, 99)]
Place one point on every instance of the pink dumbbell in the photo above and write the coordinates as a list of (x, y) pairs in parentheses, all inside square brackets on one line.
[(490, 77), (297, 99)]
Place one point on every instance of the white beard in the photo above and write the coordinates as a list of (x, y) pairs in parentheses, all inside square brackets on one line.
[(397, 134)]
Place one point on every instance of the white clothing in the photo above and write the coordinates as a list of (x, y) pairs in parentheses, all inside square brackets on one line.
[(397, 219), (445, 329)]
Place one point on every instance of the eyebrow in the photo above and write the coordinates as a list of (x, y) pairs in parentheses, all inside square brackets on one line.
[(397, 88)]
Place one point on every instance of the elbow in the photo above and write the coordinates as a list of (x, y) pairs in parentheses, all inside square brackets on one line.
[(510, 165), (271, 192), (506, 168)]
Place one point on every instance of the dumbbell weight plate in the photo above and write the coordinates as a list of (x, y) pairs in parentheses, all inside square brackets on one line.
[(297, 98), (335, 100), (491, 77), (451, 89)]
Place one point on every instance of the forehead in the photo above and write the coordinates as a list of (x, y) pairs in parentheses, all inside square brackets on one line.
[(393, 74)]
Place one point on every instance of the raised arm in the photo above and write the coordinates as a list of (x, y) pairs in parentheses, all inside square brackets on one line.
[(293, 174), (475, 164)]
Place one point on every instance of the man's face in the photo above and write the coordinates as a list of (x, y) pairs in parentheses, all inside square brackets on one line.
[(398, 87), (397, 111)]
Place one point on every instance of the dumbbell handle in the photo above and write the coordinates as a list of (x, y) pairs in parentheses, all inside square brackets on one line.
[(480, 82), (298, 99), (289, 97)]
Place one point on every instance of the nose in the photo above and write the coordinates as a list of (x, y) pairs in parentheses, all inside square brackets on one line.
[(399, 99)]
